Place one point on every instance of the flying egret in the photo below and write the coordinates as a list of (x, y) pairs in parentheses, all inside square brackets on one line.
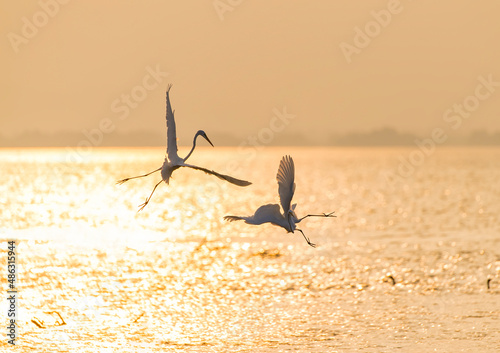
[(271, 213), (173, 161)]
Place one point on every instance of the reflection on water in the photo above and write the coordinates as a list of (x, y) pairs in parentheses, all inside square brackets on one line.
[(177, 277)]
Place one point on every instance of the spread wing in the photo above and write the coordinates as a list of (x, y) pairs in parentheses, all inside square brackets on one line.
[(171, 134), (286, 184), (267, 213), (228, 178), (264, 214)]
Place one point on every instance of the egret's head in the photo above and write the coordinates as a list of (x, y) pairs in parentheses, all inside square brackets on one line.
[(204, 135)]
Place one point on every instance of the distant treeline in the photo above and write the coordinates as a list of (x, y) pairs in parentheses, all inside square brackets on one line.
[(391, 137), (378, 137)]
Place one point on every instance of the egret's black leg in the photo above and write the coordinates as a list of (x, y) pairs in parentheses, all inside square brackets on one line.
[(119, 182), (306, 238), (331, 214), (149, 198)]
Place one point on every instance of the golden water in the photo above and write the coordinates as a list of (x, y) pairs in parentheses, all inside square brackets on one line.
[(176, 277)]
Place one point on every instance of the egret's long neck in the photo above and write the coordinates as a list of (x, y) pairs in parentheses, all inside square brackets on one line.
[(192, 149)]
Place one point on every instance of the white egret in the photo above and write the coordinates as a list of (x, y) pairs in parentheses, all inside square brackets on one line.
[(271, 213), (173, 161)]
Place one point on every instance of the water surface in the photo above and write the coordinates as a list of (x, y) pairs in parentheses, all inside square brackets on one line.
[(176, 277)]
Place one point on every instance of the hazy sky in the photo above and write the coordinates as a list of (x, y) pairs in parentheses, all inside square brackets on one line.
[(233, 63)]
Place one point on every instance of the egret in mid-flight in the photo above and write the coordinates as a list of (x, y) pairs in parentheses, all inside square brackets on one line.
[(173, 161), (271, 213)]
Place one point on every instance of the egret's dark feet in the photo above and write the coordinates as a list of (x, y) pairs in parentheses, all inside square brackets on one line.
[(331, 214), (307, 239), (120, 182), (311, 244), (141, 206)]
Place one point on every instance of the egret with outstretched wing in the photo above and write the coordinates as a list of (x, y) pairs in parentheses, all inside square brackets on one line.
[(271, 213), (173, 161)]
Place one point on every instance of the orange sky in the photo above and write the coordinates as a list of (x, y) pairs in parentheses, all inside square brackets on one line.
[(67, 65)]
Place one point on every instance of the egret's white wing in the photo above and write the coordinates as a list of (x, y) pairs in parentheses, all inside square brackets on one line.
[(264, 214), (268, 213), (228, 178), (171, 134), (286, 184)]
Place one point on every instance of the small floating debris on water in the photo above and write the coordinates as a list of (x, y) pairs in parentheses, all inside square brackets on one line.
[(389, 278), (138, 317), (268, 253), (359, 286), (49, 319)]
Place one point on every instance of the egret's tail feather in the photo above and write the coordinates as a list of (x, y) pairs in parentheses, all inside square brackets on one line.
[(233, 218)]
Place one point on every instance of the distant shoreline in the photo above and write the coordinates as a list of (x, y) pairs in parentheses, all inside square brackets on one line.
[(383, 137)]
